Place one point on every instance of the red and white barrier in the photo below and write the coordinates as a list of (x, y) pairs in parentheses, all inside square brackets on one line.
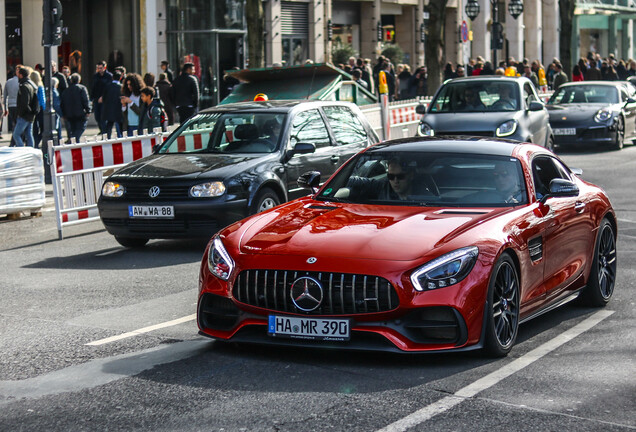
[(77, 173), (403, 119)]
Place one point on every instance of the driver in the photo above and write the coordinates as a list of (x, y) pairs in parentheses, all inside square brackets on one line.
[(507, 183), (398, 185), (472, 101), (506, 101), (272, 129)]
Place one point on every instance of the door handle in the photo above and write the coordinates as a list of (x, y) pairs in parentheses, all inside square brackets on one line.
[(335, 158), (579, 207)]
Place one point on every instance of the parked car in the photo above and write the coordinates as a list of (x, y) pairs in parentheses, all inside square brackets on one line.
[(597, 113), (487, 106), (226, 163), (420, 244)]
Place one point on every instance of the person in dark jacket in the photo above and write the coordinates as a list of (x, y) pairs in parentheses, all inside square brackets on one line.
[(151, 111), (164, 90), (101, 79), (62, 82), (111, 109), (165, 67), (185, 91), (25, 114), (75, 106)]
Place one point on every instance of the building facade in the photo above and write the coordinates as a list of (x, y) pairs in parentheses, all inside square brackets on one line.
[(139, 34)]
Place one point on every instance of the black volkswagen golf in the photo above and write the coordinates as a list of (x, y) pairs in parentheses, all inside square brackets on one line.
[(226, 163)]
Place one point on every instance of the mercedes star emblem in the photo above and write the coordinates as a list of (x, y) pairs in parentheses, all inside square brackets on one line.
[(306, 293), (312, 260), (154, 192)]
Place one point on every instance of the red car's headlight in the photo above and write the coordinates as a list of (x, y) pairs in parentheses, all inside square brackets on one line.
[(446, 270), (220, 262)]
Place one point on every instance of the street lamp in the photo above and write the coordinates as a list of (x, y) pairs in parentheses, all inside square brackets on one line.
[(472, 9), (515, 8)]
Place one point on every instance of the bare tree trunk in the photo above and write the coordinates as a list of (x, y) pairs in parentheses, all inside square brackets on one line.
[(255, 29), (566, 13), (434, 47)]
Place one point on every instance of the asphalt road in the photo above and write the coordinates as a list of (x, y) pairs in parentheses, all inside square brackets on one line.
[(573, 369)]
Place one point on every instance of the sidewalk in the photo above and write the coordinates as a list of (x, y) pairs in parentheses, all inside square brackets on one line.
[(89, 134)]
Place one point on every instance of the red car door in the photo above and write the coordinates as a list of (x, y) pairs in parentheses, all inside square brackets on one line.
[(568, 236)]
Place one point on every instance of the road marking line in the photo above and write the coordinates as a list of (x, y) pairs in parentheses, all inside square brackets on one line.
[(495, 377), (143, 330)]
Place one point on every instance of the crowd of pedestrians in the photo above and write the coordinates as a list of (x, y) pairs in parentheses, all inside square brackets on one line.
[(124, 100)]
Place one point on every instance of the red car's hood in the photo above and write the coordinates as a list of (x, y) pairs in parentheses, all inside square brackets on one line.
[(351, 230)]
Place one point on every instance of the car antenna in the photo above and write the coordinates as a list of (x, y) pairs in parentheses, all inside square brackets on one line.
[(312, 81)]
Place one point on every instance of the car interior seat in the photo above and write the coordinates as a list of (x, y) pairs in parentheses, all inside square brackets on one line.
[(579, 96)]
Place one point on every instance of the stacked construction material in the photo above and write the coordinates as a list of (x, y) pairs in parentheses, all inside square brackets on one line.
[(21, 180)]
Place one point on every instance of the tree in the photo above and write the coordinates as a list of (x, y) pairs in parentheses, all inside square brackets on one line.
[(566, 13), (255, 29), (434, 47)]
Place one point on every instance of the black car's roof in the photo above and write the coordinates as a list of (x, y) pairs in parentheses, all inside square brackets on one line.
[(596, 83), (273, 105), (453, 144)]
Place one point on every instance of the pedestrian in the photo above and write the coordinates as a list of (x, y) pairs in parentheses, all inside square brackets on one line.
[(356, 74), (528, 73), (577, 75), (75, 62), (185, 92), (559, 77), (131, 103), (365, 74), (152, 113), (76, 107), (149, 79), (449, 73), (66, 71), (111, 110), (11, 100), (27, 108), (632, 68), (593, 73), (390, 79), (101, 79), (2, 111), (460, 72), (122, 72), (404, 81), (164, 88), (61, 78), (165, 67), (57, 106), (487, 70), (418, 86), (38, 124)]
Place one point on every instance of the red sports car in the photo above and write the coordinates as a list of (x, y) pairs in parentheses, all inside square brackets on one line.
[(414, 245)]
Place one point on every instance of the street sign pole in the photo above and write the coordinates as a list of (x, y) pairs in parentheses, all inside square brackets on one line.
[(51, 37)]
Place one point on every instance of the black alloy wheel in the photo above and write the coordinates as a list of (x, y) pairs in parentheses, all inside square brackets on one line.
[(131, 242), (600, 285), (620, 134), (503, 303), (550, 144)]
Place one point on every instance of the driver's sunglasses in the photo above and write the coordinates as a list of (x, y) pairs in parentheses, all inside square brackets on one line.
[(400, 176), (503, 173)]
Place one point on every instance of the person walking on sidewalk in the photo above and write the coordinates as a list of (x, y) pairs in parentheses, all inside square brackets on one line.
[(185, 92), (111, 112), (11, 101), (38, 124), (75, 106), (101, 79), (27, 108)]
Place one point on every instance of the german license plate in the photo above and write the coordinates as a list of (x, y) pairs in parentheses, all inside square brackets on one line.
[(309, 328), (139, 211), (565, 131)]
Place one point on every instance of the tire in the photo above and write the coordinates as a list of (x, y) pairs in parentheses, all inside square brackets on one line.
[(503, 304), (265, 199), (550, 144), (600, 284), (131, 242), (620, 134)]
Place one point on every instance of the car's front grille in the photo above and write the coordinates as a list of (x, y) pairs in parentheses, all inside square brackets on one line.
[(343, 293), (163, 226), (167, 192)]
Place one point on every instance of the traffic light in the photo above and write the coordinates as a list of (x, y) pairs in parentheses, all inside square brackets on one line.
[(497, 36), (329, 30), (52, 25)]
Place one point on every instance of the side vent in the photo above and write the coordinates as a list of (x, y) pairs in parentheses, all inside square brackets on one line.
[(535, 248)]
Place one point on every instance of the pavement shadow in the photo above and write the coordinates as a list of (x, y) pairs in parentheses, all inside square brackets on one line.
[(155, 254)]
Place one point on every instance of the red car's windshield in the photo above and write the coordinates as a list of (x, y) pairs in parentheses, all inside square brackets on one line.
[(428, 179)]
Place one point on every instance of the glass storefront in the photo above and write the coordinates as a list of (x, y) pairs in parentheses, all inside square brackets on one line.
[(210, 34), (13, 25)]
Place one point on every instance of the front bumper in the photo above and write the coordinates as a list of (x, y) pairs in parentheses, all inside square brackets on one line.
[(192, 218), (585, 134)]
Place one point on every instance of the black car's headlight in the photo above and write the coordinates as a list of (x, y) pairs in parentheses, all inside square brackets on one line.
[(206, 190), (220, 262), (446, 270), (113, 190), (425, 130), (507, 128), (603, 115)]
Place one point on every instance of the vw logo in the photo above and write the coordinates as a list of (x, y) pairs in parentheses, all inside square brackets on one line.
[(312, 260), (306, 293), (154, 192)]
